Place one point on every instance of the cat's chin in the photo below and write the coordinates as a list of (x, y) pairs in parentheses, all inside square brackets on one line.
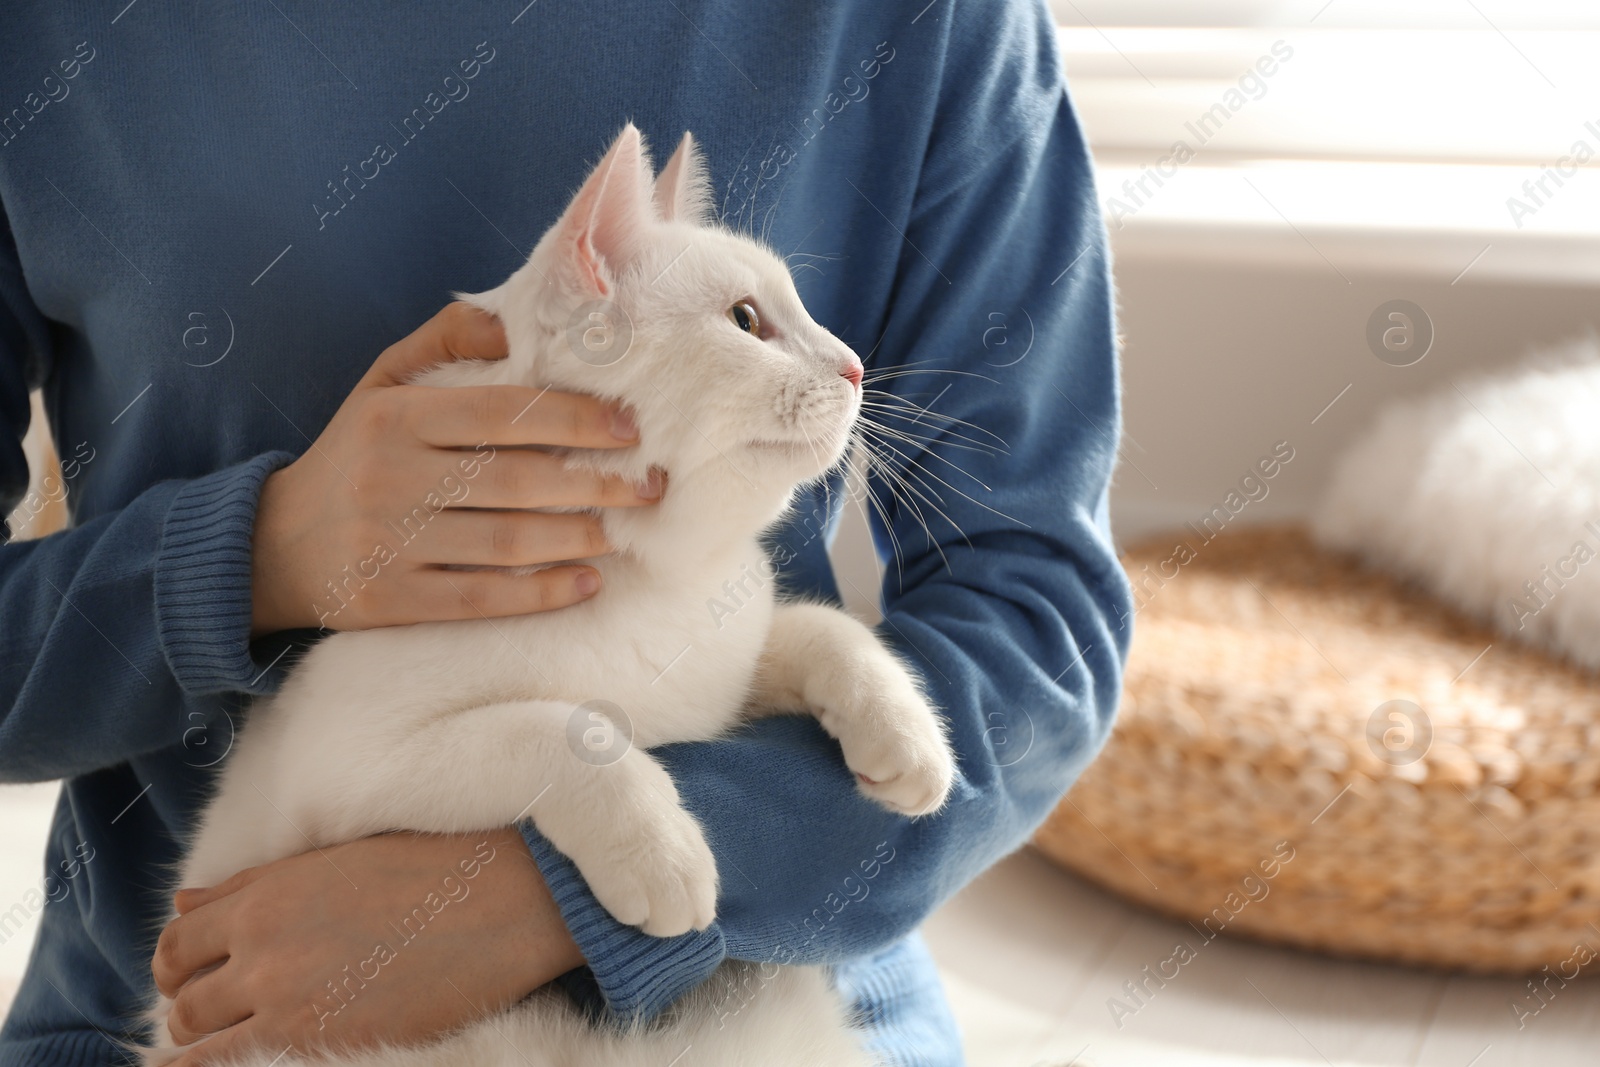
[(806, 458)]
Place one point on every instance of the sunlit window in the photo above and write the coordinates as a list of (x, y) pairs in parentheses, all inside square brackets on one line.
[(1479, 115)]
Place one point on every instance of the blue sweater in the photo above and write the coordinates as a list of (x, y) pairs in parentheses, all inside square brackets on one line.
[(216, 219)]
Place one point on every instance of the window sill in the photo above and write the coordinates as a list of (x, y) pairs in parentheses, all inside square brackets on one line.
[(1431, 220)]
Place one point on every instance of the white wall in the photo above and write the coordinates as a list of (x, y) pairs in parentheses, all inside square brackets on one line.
[(1221, 360)]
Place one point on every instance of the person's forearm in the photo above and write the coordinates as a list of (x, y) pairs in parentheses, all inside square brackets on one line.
[(303, 935), (121, 634)]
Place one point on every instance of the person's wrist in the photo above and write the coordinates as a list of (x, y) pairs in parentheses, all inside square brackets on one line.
[(271, 600), (534, 944)]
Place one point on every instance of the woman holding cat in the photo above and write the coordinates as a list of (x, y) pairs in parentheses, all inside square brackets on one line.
[(958, 199)]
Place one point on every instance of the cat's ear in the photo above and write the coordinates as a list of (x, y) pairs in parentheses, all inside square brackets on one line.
[(683, 190), (605, 225)]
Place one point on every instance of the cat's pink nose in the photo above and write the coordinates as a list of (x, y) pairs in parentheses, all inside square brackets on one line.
[(852, 371)]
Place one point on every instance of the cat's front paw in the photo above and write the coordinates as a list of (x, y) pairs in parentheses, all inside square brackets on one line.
[(893, 742), (647, 862), (661, 877)]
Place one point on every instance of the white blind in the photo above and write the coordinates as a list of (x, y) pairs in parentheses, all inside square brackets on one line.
[(1474, 81), (1346, 14)]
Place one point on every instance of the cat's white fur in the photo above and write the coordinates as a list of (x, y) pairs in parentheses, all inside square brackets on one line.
[(1489, 495), (458, 727)]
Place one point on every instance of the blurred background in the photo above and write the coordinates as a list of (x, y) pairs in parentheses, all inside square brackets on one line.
[(1378, 161), (1273, 172)]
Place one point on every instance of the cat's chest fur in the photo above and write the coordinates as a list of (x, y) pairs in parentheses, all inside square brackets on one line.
[(675, 652)]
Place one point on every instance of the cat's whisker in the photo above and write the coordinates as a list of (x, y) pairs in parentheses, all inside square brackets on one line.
[(906, 369), (901, 472), (927, 440), (944, 433), (874, 463), (906, 411), (926, 447), (728, 192), (809, 258), (885, 519), (922, 442), (927, 531), (908, 495), (923, 477), (766, 227), (812, 255), (889, 443), (910, 364), (883, 398), (891, 375), (884, 466), (947, 485), (940, 512)]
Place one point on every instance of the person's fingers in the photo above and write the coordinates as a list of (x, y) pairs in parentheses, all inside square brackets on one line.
[(450, 595), (458, 331), (511, 538), (192, 897), (207, 1005), (518, 478), (188, 944), (230, 1046), (510, 415)]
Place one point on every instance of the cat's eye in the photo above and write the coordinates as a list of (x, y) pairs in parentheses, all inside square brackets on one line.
[(743, 315)]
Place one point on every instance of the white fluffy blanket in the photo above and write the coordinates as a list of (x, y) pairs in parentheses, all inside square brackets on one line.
[(1488, 494)]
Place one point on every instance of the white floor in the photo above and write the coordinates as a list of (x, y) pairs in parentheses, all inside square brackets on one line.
[(1031, 955), (25, 812)]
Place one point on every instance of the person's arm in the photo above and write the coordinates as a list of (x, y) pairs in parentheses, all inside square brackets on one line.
[(123, 633), (129, 632), (1018, 623)]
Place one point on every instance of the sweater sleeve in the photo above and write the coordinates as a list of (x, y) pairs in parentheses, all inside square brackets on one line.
[(121, 635), (1005, 593)]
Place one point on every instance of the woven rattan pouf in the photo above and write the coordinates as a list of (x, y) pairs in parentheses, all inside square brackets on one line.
[(1314, 754)]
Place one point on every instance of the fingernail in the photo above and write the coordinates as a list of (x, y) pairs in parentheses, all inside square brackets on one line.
[(587, 583), (653, 485), (622, 425)]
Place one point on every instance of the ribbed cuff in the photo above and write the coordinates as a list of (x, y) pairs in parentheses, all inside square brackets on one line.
[(65, 1048), (202, 580), (638, 975)]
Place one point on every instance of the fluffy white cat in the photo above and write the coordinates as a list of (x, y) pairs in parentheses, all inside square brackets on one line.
[(634, 295)]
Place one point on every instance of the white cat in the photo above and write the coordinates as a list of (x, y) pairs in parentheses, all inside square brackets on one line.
[(634, 295)]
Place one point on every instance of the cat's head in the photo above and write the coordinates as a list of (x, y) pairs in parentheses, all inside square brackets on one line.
[(638, 295)]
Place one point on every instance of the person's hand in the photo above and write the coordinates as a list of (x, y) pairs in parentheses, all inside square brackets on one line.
[(406, 479), (395, 938)]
